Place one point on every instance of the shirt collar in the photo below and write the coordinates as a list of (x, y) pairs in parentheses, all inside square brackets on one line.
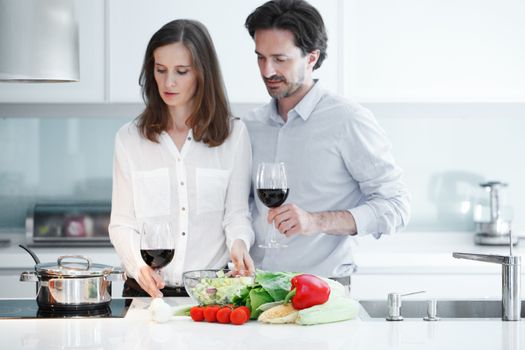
[(274, 113), (304, 108)]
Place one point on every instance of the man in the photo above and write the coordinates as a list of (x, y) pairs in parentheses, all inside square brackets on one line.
[(342, 177)]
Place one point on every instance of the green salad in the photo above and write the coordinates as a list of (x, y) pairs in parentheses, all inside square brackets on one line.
[(220, 290)]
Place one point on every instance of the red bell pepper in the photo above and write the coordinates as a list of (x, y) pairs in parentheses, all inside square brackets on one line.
[(308, 290)]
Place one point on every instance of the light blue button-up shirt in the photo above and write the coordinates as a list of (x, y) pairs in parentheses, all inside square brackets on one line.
[(337, 158)]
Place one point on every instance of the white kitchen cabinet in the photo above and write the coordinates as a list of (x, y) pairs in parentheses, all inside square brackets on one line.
[(91, 87), (132, 23), (434, 51)]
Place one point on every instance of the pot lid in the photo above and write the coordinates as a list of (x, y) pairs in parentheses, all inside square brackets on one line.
[(73, 266)]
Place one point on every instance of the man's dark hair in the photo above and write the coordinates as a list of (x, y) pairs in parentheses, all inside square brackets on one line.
[(297, 16)]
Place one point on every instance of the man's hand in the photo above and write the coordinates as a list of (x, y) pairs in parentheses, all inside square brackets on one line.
[(290, 220), (242, 261), (150, 281)]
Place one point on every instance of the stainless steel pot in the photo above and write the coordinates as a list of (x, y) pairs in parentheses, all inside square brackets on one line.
[(73, 282)]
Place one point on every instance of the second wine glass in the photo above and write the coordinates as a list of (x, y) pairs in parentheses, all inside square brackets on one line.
[(272, 190), (157, 244)]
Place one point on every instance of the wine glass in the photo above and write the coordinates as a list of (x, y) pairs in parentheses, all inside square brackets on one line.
[(272, 190), (157, 244)]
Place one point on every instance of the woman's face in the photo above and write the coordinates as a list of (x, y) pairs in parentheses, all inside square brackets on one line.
[(175, 75)]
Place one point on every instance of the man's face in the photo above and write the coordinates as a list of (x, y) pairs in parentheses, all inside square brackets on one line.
[(283, 67)]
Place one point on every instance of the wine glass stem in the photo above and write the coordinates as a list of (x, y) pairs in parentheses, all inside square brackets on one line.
[(273, 234)]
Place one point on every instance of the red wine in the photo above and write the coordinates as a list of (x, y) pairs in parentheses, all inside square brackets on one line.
[(272, 198), (157, 258)]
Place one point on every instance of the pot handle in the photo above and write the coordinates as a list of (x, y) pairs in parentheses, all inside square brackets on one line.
[(116, 275), (82, 257), (28, 276)]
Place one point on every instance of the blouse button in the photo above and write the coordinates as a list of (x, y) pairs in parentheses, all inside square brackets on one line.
[(182, 183), (184, 233), (183, 208)]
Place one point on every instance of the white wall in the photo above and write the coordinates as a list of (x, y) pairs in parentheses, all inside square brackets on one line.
[(446, 150), (435, 50)]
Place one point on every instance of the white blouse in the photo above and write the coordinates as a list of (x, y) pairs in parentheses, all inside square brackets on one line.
[(202, 191)]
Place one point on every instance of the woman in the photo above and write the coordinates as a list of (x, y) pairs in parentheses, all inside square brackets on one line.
[(184, 160)]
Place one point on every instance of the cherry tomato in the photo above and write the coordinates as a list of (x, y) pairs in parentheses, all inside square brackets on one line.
[(238, 316), (210, 313), (246, 310), (223, 315), (196, 314)]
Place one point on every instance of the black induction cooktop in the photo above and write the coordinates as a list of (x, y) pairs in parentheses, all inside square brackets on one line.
[(28, 308)]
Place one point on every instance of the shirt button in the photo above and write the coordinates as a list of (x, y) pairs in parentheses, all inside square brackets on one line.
[(184, 233), (183, 208), (182, 183), (189, 138), (178, 159)]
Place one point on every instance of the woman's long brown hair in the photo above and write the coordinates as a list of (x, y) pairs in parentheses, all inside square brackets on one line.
[(210, 117)]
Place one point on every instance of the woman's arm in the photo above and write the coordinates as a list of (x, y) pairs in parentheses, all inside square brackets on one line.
[(237, 219), (123, 230)]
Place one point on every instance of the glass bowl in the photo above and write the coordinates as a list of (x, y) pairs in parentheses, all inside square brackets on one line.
[(214, 287)]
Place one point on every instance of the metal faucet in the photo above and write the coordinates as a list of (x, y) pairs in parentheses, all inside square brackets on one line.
[(510, 280)]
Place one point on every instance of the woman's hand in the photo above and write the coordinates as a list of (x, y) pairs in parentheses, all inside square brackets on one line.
[(150, 281), (242, 261)]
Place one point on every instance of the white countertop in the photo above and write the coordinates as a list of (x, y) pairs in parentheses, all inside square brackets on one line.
[(137, 331), (423, 255)]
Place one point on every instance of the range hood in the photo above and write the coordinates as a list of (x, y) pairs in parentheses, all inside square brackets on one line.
[(38, 41)]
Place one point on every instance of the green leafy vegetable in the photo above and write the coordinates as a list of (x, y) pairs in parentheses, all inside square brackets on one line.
[(268, 287), (258, 297), (277, 284)]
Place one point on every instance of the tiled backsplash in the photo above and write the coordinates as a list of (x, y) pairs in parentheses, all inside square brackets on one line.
[(444, 156)]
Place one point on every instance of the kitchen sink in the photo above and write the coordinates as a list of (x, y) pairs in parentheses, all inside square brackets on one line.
[(446, 309)]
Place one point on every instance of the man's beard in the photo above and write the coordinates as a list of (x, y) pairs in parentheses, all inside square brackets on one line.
[(287, 90)]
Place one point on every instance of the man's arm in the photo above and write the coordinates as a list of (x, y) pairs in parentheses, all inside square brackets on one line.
[(290, 220)]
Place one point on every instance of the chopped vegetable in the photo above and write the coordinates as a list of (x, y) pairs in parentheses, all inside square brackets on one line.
[(220, 290), (308, 290)]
